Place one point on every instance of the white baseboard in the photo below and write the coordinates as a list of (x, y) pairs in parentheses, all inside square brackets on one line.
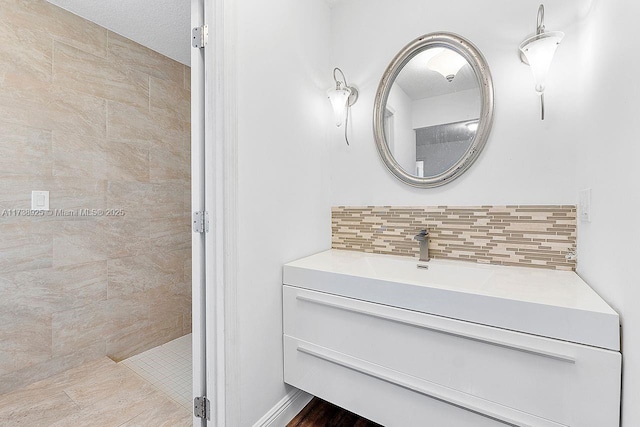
[(285, 410)]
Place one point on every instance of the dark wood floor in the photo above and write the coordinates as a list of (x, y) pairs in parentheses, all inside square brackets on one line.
[(319, 413)]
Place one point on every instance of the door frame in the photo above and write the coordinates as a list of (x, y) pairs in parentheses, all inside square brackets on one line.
[(214, 163), (197, 205)]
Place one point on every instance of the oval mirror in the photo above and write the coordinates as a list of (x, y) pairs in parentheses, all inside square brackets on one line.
[(433, 110)]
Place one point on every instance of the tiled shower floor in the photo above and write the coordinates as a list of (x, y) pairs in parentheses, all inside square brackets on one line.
[(103, 393), (168, 367)]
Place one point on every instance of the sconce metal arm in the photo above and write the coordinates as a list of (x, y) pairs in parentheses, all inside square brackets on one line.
[(338, 82), (353, 97), (540, 23)]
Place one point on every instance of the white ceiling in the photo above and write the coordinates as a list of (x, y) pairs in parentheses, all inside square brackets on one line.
[(161, 25), (419, 82)]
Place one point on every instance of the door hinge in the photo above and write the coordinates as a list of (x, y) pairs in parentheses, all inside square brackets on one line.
[(201, 408), (200, 222), (200, 37)]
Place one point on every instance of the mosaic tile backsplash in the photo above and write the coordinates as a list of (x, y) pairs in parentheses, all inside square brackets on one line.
[(532, 236)]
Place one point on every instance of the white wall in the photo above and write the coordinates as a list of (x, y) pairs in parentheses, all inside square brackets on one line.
[(404, 136), (607, 159), (525, 160), (284, 211)]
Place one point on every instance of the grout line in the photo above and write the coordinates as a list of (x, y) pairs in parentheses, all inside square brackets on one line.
[(168, 368), (106, 125), (53, 50), (76, 404)]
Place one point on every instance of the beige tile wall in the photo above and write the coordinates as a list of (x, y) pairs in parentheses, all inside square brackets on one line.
[(101, 122), (532, 236)]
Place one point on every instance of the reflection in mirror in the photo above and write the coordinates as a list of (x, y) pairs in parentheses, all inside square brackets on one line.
[(432, 112)]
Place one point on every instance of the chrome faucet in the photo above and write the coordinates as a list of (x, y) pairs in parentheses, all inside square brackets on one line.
[(423, 238)]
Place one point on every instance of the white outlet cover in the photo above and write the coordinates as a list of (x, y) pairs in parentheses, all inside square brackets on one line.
[(40, 200), (584, 205)]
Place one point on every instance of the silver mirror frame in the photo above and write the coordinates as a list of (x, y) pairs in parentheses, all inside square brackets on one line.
[(475, 58)]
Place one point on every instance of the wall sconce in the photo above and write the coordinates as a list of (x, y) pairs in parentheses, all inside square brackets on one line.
[(537, 51), (342, 98)]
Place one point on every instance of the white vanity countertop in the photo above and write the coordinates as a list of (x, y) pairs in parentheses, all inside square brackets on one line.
[(549, 303)]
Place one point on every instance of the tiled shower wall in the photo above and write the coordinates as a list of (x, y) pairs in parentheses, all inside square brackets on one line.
[(532, 236), (102, 123)]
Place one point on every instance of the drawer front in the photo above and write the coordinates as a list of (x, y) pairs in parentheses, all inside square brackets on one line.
[(341, 380), (567, 383)]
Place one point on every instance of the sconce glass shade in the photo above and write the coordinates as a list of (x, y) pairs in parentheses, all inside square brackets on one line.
[(339, 100), (539, 51), (447, 63)]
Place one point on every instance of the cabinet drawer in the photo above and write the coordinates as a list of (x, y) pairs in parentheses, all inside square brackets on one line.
[(566, 383), (340, 380)]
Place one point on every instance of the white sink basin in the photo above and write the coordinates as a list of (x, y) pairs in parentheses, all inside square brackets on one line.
[(549, 303), (436, 273)]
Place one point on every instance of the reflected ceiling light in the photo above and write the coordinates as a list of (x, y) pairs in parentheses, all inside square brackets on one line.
[(538, 51), (472, 125), (447, 63), (422, 59), (342, 98)]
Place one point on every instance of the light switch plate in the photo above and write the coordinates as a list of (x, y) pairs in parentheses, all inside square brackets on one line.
[(584, 205), (40, 200)]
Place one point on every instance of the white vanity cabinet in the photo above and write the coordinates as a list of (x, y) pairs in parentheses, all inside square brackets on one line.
[(406, 367)]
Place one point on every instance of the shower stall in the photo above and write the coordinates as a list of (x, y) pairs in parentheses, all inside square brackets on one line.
[(95, 225)]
